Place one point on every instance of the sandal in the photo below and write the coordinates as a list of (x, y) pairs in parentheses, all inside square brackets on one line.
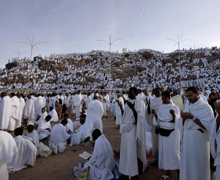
[(164, 177)]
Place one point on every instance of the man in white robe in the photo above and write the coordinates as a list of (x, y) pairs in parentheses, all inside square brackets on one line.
[(147, 100), (59, 137), (178, 100), (29, 110), (14, 121), (169, 135), (155, 103), (53, 114), (215, 142), (106, 103), (132, 139), (93, 118), (44, 127), (77, 100), (70, 124), (42, 150), (102, 161), (195, 149), (8, 149), (26, 152), (119, 109), (40, 103), (5, 111), (22, 105), (42, 115)]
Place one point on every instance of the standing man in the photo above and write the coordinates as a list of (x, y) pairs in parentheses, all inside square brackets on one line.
[(131, 152), (119, 109), (215, 141), (169, 135), (29, 110), (5, 111), (197, 118), (155, 103), (77, 99), (14, 121), (93, 118)]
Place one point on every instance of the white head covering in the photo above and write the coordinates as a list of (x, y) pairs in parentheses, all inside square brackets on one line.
[(30, 123)]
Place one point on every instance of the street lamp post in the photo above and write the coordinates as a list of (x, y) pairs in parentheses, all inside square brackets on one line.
[(32, 45), (178, 42), (110, 42)]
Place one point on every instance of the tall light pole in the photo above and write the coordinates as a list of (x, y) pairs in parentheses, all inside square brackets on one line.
[(31, 44), (178, 42), (110, 42)]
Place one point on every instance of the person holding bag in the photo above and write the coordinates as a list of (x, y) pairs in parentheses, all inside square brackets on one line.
[(169, 135)]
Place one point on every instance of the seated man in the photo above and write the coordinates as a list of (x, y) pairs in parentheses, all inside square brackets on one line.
[(8, 150), (41, 116), (54, 115), (42, 149), (26, 155), (69, 125), (59, 137), (79, 136), (102, 161), (44, 128)]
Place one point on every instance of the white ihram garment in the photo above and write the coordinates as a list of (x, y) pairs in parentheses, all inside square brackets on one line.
[(77, 104), (156, 102), (118, 112), (169, 147), (26, 154), (22, 105), (42, 129), (54, 116), (8, 149), (128, 164), (5, 112), (141, 132), (29, 111), (14, 121), (42, 117), (93, 119), (40, 103), (215, 147), (195, 148), (58, 137), (102, 161), (42, 149)]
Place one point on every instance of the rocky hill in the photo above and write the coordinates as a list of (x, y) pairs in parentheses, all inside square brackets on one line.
[(104, 70)]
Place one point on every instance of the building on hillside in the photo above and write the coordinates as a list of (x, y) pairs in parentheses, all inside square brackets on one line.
[(124, 50)]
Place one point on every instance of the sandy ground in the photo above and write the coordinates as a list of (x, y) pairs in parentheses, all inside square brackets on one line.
[(60, 166)]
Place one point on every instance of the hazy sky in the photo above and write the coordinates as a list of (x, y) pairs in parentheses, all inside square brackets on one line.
[(75, 25)]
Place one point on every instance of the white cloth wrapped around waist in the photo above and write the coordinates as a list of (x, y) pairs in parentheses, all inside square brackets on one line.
[(166, 125), (126, 127), (191, 125)]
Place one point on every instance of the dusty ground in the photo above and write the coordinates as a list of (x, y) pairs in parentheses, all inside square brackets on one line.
[(60, 166)]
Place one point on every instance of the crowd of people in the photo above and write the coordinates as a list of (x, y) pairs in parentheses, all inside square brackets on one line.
[(183, 129), (89, 71)]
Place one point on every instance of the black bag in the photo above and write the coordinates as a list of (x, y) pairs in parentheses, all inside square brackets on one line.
[(165, 132), (157, 129)]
